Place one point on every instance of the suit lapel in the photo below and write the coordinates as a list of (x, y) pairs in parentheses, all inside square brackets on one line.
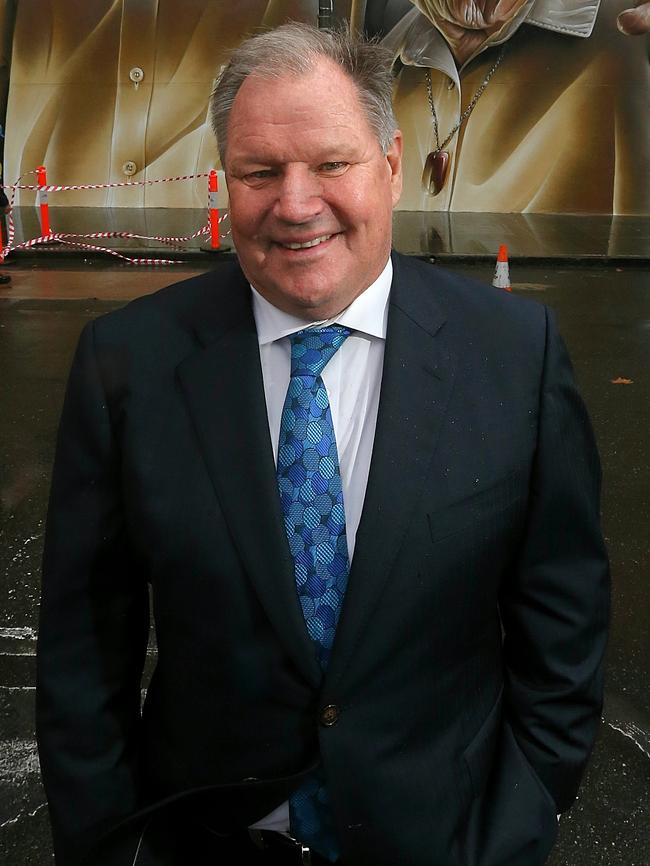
[(416, 385), (224, 390)]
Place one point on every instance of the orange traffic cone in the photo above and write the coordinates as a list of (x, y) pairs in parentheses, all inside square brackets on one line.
[(502, 272)]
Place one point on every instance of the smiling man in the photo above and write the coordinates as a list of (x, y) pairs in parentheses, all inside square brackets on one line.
[(372, 542)]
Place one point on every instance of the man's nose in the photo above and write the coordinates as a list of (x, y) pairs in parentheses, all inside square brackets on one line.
[(299, 197)]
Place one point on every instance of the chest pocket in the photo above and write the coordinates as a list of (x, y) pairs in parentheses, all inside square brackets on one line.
[(489, 504)]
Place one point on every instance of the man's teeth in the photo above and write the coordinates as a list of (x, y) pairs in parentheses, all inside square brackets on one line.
[(304, 246)]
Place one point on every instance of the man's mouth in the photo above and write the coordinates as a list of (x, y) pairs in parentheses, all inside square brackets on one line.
[(306, 244)]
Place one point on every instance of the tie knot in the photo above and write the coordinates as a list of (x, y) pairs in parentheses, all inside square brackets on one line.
[(312, 348)]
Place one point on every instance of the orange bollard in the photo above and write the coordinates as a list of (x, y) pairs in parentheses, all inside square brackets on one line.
[(213, 188), (502, 272), (42, 200)]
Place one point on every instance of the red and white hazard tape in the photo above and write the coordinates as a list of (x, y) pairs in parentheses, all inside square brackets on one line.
[(11, 229), (67, 238), (58, 188)]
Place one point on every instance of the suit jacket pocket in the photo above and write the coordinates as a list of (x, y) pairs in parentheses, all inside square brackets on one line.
[(512, 822), (478, 756), (532, 772)]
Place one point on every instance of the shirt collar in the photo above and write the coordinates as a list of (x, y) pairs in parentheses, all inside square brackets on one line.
[(571, 17), (367, 313), (417, 41)]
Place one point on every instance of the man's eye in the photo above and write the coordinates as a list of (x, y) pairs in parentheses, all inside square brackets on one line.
[(260, 174), (332, 167)]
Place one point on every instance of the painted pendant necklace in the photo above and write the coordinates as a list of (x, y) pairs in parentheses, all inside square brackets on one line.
[(437, 162)]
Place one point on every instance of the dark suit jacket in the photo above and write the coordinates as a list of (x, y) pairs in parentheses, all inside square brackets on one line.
[(467, 663)]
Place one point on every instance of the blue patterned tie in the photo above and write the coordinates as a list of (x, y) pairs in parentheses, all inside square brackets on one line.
[(309, 480)]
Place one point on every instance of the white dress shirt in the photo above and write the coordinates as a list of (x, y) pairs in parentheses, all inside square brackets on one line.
[(418, 42), (353, 381)]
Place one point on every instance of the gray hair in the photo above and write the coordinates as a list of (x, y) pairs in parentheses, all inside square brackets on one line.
[(294, 49)]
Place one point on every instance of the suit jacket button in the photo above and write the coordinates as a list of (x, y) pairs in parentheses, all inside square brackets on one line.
[(329, 715)]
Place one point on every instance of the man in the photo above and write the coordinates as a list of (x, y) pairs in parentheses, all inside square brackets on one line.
[(365, 495)]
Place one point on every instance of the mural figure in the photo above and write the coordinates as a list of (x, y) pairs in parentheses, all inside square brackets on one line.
[(539, 105)]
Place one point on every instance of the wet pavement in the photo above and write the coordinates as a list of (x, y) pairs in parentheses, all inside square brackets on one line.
[(531, 235), (604, 314)]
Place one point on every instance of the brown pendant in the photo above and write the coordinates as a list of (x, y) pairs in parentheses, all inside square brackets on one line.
[(435, 171)]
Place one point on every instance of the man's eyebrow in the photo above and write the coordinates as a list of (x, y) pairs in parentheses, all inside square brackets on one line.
[(253, 159)]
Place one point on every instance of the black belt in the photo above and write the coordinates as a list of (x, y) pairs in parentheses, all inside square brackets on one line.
[(289, 849), (269, 848)]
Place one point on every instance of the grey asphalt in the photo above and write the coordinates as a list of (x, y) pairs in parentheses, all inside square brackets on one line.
[(604, 314)]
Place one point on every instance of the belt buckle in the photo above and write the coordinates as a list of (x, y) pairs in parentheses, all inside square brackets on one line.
[(305, 851), (257, 838)]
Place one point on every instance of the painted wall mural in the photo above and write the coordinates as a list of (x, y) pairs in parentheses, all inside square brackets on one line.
[(561, 104), (117, 90), (555, 98)]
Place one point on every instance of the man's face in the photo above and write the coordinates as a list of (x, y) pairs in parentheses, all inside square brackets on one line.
[(311, 194), (466, 24)]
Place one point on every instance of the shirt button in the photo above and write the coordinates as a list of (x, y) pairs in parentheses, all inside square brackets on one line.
[(329, 715), (129, 168)]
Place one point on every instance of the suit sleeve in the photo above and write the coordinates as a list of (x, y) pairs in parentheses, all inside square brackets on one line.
[(93, 626), (555, 604)]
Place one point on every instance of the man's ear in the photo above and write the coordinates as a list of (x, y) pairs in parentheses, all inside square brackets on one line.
[(394, 159)]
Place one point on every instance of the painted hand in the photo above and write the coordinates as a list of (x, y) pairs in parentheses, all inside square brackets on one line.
[(635, 21)]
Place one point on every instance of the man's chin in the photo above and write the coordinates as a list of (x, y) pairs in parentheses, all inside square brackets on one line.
[(313, 303), (317, 300)]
